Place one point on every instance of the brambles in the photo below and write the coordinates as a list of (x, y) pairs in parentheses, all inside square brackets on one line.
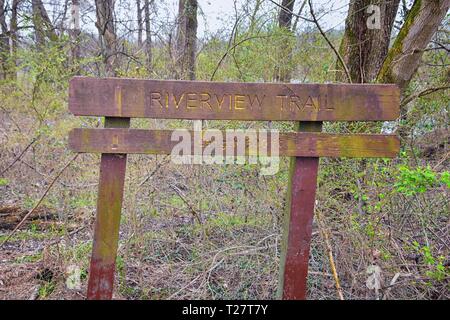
[(390, 213), (419, 180)]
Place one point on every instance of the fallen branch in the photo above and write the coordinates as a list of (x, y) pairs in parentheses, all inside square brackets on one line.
[(39, 202), (326, 238), (20, 155)]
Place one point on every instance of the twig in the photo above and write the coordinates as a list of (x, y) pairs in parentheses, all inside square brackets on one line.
[(326, 238), (421, 94), (445, 157), (20, 155), (341, 61), (193, 211), (302, 6), (231, 49), (177, 292), (298, 16), (158, 165), (39, 202), (71, 233)]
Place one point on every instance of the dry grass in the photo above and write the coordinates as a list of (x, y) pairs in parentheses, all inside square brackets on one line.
[(212, 232)]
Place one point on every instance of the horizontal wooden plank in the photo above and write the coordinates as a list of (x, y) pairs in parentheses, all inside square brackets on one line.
[(118, 97), (298, 144)]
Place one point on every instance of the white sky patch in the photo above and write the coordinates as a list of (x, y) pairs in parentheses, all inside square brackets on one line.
[(214, 16), (219, 14)]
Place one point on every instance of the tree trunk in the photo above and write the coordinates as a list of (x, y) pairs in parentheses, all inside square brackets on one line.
[(13, 26), (285, 15), (148, 36), (406, 53), (4, 42), (186, 44), (107, 34), (61, 26), (283, 68), (75, 31), (13, 29), (253, 17), (42, 24), (139, 22), (366, 38), (300, 10)]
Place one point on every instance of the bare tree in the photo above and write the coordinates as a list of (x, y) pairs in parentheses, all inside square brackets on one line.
[(186, 44), (42, 24), (139, 21), (406, 53), (13, 29), (4, 41), (107, 33), (366, 38), (297, 17), (253, 17), (285, 15), (75, 32), (283, 69), (148, 35)]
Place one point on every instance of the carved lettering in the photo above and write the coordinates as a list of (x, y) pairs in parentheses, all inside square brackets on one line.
[(205, 100), (282, 100), (192, 101), (220, 101), (256, 99), (294, 103), (156, 96), (236, 102), (177, 103), (239, 102)]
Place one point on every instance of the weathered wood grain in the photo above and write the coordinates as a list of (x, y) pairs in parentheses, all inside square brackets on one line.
[(232, 101), (297, 224), (292, 144), (107, 222)]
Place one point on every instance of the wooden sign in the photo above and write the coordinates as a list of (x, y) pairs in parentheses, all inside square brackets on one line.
[(133, 98), (120, 99), (292, 144)]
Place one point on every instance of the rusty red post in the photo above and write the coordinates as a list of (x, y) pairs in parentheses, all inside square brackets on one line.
[(109, 206), (297, 227)]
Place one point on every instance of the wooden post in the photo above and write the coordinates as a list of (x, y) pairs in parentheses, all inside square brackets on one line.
[(297, 226), (120, 99), (109, 206)]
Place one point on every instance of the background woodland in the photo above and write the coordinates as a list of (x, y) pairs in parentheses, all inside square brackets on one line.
[(381, 228)]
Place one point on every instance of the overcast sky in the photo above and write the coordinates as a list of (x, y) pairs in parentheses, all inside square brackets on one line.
[(219, 15), (214, 10)]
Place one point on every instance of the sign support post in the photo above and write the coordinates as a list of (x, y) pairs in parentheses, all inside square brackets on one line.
[(297, 227), (309, 105), (107, 222)]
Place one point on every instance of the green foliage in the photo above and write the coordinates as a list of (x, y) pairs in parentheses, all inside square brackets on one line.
[(229, 221), (3, 182), (46, 289), (84, 200), (437, 271), (362, 200), (419, 180), (445, 178), (30, 258)]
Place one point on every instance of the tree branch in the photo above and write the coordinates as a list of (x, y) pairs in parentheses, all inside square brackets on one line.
[(421, 94), (341, 61), (39, 202)]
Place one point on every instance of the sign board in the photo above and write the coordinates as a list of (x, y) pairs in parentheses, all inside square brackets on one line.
[(118, 100), (132, 98)]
